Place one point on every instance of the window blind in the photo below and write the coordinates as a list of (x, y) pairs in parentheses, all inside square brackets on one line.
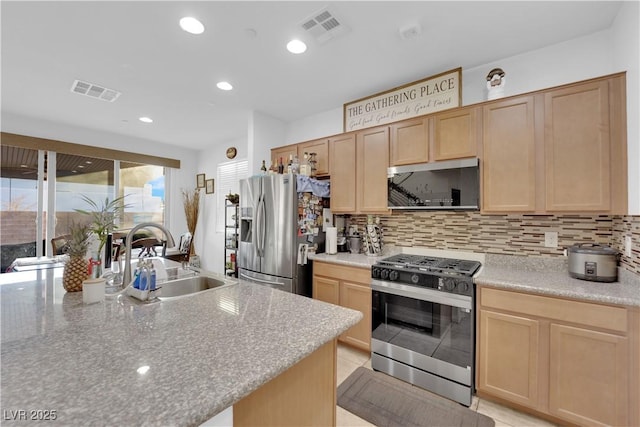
[(229, 176)]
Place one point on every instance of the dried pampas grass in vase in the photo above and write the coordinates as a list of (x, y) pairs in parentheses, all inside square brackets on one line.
[(191, 201)]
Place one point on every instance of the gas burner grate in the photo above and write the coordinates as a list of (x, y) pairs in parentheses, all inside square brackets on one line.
[(433, 264), (459, 265)]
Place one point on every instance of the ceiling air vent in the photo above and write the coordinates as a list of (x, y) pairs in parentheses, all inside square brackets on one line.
[(323, 26), (94, 91)]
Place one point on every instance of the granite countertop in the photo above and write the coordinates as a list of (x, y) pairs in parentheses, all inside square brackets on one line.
[(538, 275), (354, 260), (203, 352), (549, 276)]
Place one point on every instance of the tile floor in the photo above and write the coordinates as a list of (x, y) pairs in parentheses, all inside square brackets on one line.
[(349, 359)]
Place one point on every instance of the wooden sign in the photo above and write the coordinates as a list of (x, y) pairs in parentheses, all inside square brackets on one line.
[(435, 93)]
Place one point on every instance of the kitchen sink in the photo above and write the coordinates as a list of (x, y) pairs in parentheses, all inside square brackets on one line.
[(188, 285)]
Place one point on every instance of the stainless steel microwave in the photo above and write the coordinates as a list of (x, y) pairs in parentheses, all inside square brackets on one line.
[(446, 185)]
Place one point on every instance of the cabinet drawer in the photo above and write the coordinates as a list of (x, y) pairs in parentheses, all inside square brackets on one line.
[(337, 271), (584, 313)]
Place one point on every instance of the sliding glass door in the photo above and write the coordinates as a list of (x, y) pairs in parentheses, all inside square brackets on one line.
[(39, 205)]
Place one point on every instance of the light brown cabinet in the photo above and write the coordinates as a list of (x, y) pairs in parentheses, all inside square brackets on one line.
[(509, 156), (348, 287), (456, 133), (372, 153), (321, 148), (283, 153), (588, 378), (409, 142), (453, 134), (342, 161), (359, 164), (567, 359), (557, 151), (577, 148), (510, 357)]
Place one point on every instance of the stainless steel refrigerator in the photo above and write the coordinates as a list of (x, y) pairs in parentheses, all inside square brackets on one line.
[(270, 235)]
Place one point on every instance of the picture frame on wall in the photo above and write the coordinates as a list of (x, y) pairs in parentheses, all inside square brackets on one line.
[(209, 186), (200, 178)]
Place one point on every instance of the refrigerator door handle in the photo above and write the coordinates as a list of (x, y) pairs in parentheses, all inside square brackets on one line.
[(263, 231), (254, 279), (258, 225)]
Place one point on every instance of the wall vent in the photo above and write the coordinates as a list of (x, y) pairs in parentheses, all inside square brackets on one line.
[(323, 26), (94, 91)]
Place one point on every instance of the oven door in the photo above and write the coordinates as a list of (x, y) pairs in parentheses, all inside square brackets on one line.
[(424, 328)]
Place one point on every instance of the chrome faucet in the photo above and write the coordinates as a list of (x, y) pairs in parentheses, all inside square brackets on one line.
[(126, 277)]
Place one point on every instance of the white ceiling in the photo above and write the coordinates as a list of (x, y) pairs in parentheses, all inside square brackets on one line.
[(137, 48)]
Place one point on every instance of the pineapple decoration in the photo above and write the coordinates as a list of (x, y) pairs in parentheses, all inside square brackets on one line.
[(76, 270)]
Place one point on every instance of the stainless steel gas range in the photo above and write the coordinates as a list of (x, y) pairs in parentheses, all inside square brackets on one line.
[(423, 322)]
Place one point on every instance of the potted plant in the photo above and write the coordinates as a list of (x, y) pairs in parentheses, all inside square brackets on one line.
[(104, 220), (76, 269)]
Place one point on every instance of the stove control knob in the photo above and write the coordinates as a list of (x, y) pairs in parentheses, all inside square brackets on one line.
[(393, 275), (463, 287), (449, 284), (384, 274), (375, 272), (415, 279)]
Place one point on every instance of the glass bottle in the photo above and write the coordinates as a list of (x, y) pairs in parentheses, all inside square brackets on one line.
[(295, 165), (290, 164), (263, 168), (305, 168), (312, 163), (280, 167)]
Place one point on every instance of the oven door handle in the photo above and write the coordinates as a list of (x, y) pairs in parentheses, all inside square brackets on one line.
[(423, 294)]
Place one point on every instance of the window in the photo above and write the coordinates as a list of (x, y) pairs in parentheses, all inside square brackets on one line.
[(143, 186), (229, 176), (78, 176), (40, 190)]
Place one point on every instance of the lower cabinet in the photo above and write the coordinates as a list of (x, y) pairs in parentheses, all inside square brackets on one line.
[(567, 359), (588, 378), (510, 357), (348, 287)]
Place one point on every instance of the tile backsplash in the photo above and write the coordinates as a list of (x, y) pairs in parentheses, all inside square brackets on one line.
[(509, 234)]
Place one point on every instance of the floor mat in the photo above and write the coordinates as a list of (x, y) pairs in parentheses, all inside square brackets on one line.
[(386, 401)]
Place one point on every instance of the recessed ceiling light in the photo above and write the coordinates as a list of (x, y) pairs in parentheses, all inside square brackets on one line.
[(224, 86), (296, 46), (191, 25), (146, 119)]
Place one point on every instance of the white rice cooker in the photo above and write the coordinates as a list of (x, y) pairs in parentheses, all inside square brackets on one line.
[(592, 261)]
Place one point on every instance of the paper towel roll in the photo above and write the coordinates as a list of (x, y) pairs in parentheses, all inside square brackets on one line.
[(332, 240)]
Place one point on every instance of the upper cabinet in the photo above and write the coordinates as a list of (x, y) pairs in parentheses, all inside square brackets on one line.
[(321, 148), (283, 153), (453, 134), (578, 148), (456, 133), (359, 164), (372, 152), (557, 151), (342, 160), (409, 142), (509, 156), (552, 151)]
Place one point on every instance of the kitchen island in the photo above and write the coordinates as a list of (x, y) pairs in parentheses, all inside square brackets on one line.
[(175, 362)]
